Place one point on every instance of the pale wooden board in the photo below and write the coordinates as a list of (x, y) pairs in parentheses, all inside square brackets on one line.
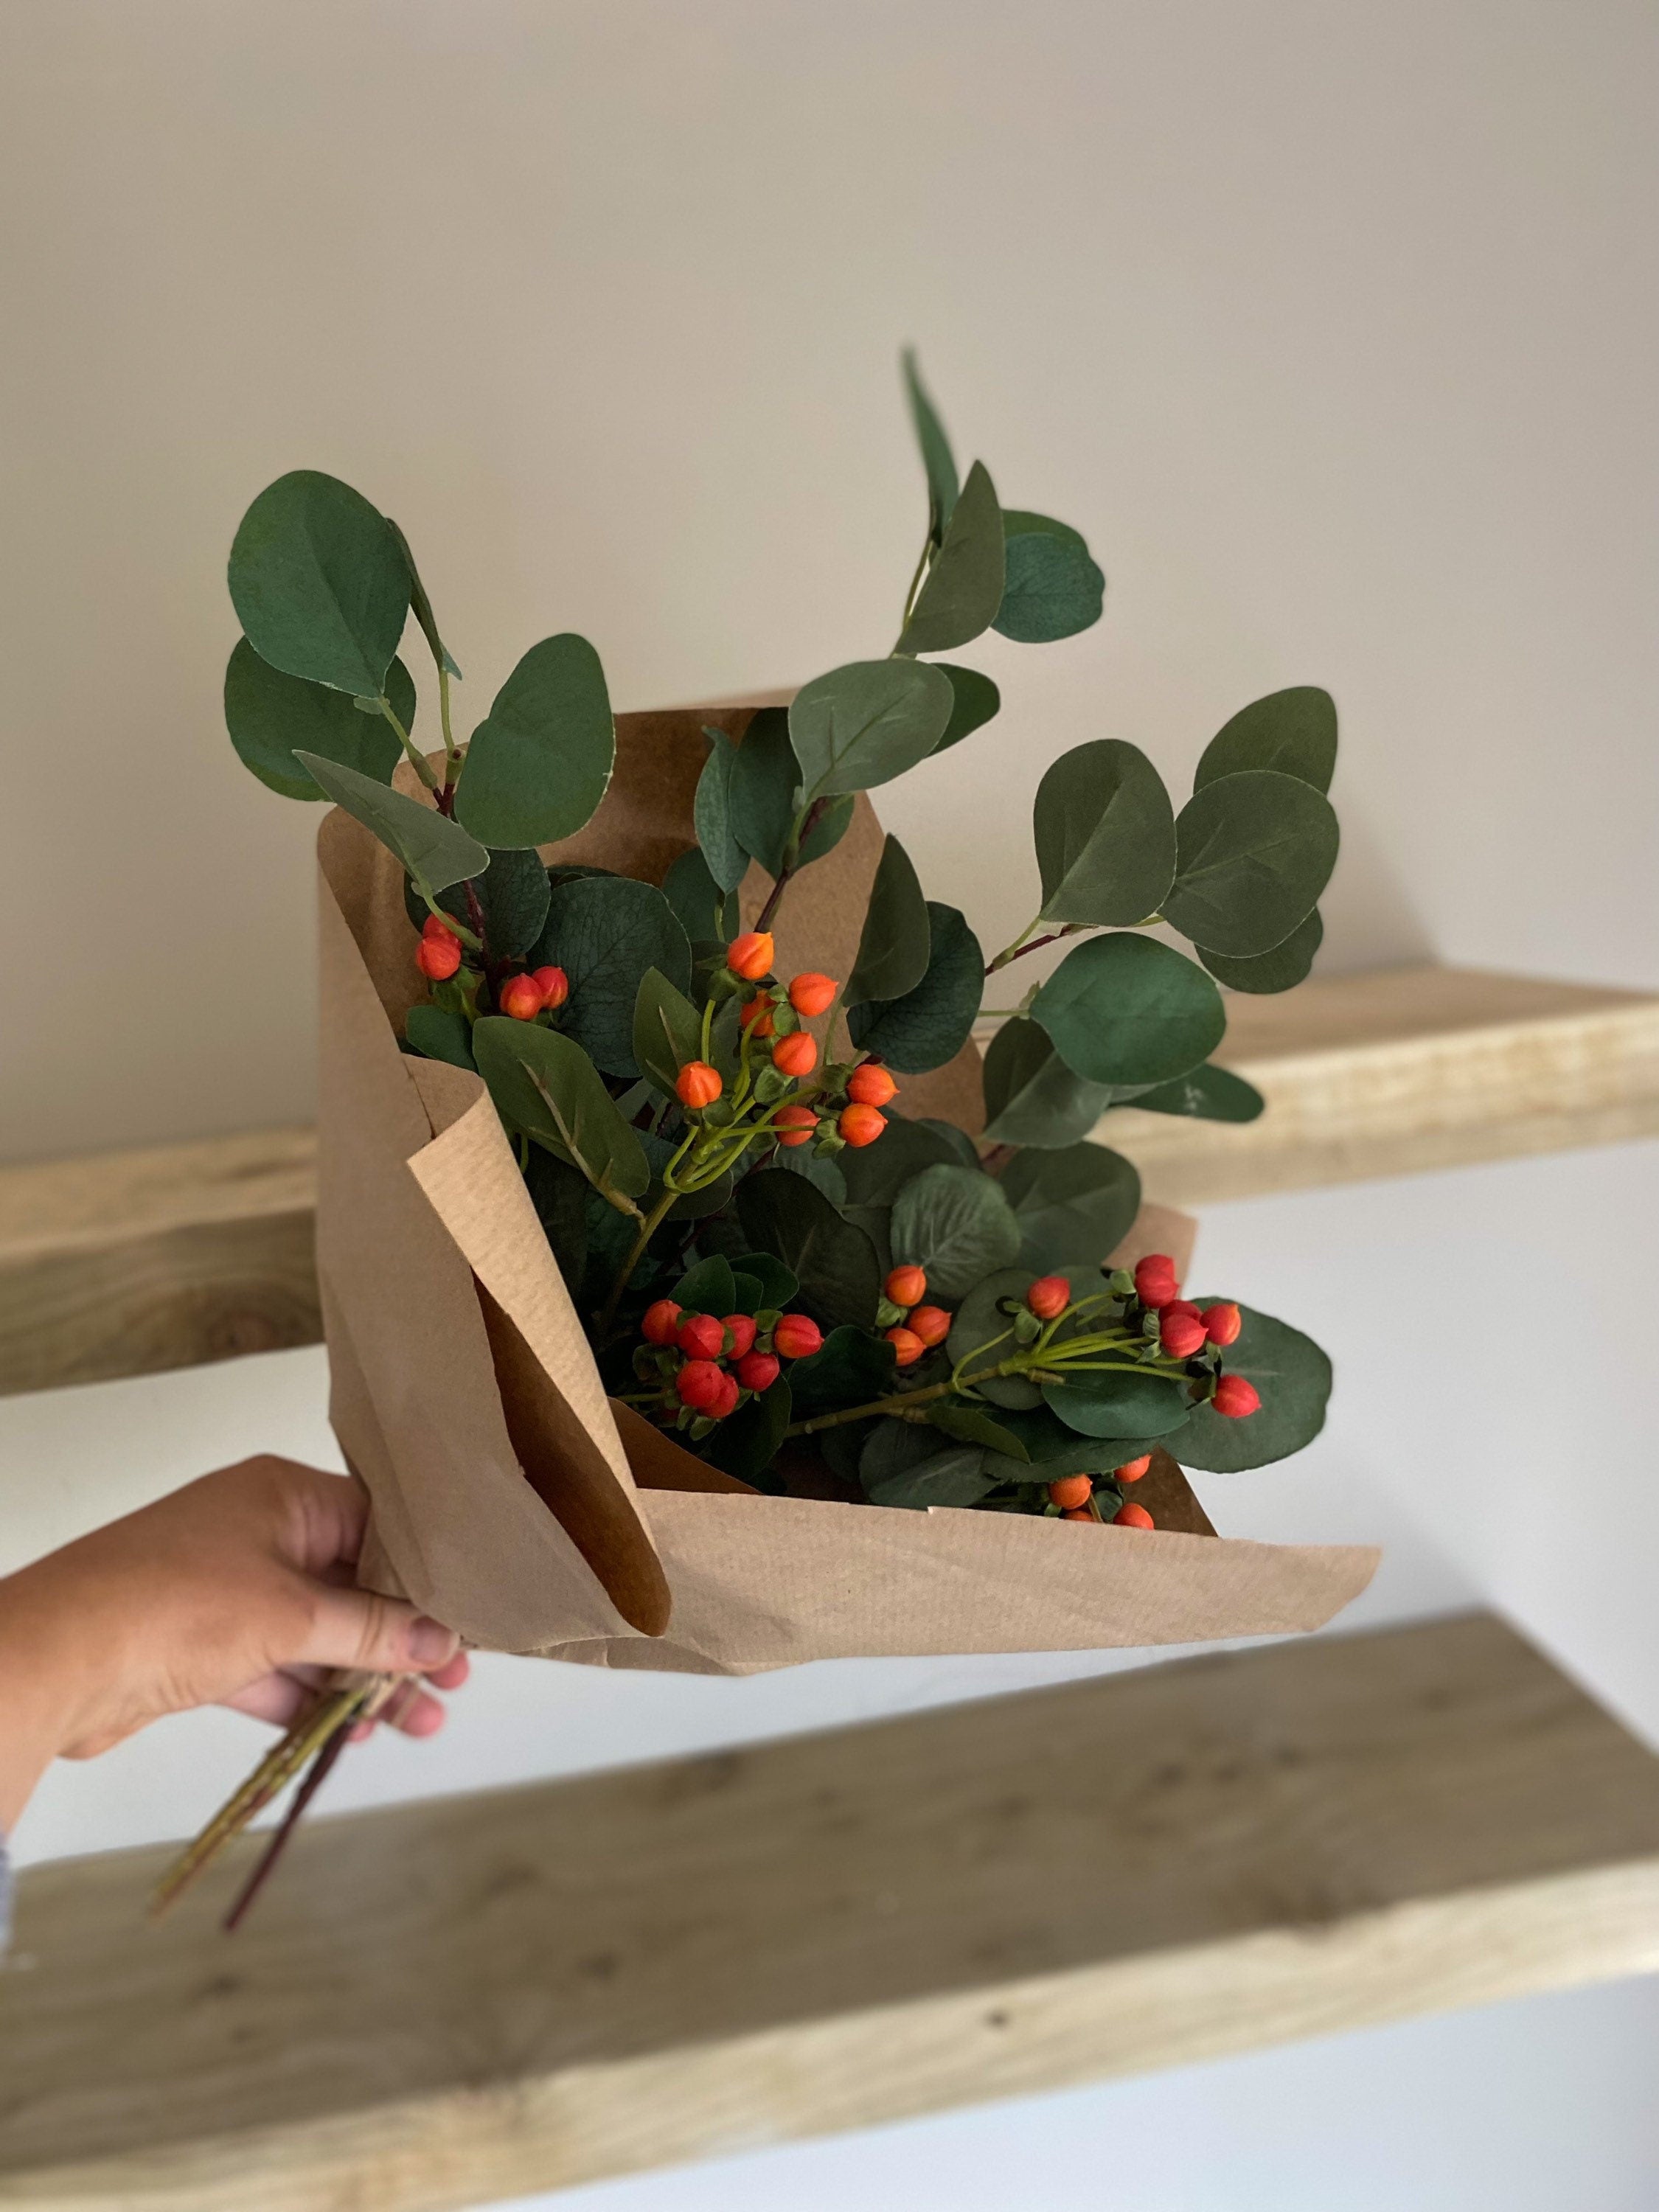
[(128, 1262), (451, 2003)]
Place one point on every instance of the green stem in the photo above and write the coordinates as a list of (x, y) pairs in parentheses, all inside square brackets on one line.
[(648, 1228), (452, 757), (418, 759)]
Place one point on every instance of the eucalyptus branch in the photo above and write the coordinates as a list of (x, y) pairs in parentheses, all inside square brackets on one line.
[(648, 1228), (1025, 943), (806, 822), (416, 758)]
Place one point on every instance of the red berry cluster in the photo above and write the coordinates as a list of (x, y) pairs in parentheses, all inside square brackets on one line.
[(707, 1365), (918, 1328), (1183, 1331), (525, 997), (1074, 1495)]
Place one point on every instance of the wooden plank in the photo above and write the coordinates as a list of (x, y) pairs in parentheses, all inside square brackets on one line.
[(1407, 1070), (134, 1262), (452, 2001)]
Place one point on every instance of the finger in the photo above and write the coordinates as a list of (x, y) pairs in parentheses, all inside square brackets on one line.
[(278, 1699), (379, 1635), (451, 1675)]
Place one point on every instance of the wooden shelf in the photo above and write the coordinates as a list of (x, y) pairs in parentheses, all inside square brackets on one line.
[(471, 1998), (134, 1262)]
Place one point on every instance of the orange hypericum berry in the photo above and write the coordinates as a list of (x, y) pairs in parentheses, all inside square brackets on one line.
[(1071, 1491), (860, 1124), (796, 1053), (1222, 1323), (906, 1286), (757, 1370), (1155, 1279), (931, 1324), (740, 1328), (1133, 1516), (522, 998), (1180, 1331), (869, 1085), (700, 1336), (1133, 1469), (438, 955), (751, 955), (1235, 1397), (795, 1125), (701, 1385), (727, 1400), (698, 1083), (1048, 1296), (755, 1015), (553, 984), (1077, 1513), (795, 1337), (661, 1319), (908, 1347), (812, 993)]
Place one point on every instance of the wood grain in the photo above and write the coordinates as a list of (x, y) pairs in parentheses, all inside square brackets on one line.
[(449, 2002), (132, 1261)]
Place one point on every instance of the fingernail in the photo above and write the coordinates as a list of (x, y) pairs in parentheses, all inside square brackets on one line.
[(429, 1642)]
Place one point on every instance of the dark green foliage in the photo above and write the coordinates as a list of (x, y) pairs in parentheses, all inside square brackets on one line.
[(320, 583), (1294, 1377), (605, 931), (706, 913), (833, 1260), (1127, 1011), (875, 1175), (1281, 969), (1207, 1094), (1105, 836), (1031, 1097), (1073, 1205), (545, 1084), (977, 699), (269, 715), (1132, 1407), (512, 894), (955, 1223), (936, 456), (851, 1368), (865, 723), (1293, 731), (930, 1025), (765, 780), (439, 1033), (745, 1445), (1053, 587), (893, 951), (963, 589), (537, 766), (712, 814), (434, 851), (1255, 850)]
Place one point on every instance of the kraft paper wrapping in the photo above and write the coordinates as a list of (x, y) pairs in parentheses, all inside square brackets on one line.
[(512, 1501)]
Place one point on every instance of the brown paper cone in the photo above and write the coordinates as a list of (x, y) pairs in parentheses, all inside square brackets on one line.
[(514, 1502)]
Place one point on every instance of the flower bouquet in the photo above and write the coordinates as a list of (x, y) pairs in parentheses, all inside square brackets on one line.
[(695, 1297)]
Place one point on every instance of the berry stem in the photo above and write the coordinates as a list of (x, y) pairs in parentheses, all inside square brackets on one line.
[(647, 1229), (803, 829), (418, 759)]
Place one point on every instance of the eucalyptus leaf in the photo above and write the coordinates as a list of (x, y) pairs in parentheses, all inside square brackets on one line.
[(852, 1368), (1073, 1205), (1054, 589), (955, 1224), (512, 894), (976, 700), (1105, 836), (963, 588), (1294, 1378), (1052, 1450), (667, 1031), (890, 1446), (269, 715), (982, 1328), (874, 1175), (1031, 1097), (440, 1033), (777, 1284), (320, 583), (711, 816), (436, 851), (1255, 851), (823, 1175), (1205, 1094), (1126, 1010), (1292, 731), (930, 1025), (961, 1146), (539, 763), (559, 1194), (833, 1262), (863, 724), (421, 606), (1124, 1405), (953, 1478), (1281, 969), (710, 1287), (970, 1425), (936, 455), (766, 782), (703, 910), (545, 1084), (893, 950), (744, 1444), (605, 931)]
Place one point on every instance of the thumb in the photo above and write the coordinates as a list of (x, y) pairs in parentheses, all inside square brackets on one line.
[(380, 1634)]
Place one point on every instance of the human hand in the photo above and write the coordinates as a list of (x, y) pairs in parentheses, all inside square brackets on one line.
[(236, 1591)]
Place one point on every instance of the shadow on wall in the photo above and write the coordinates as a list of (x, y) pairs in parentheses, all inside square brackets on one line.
[(1371, 920)]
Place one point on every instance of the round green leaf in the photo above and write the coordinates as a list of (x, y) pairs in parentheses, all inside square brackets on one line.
[(1054, 589), (1294, 1378), (1073, 1205), (936, 456), (1031, 1097), (1255, 852), (1105, 836), (963, 589), (893, 950), (981, 1326), (977, 699), (956, 1477), (605, 931), (711, 816), (421, 606), (513, 893), (545, 1084), (440, 1033), (320, 583), (745, 1443), (539, 763), (436, 851), (834, 1261), (1126, 1010), (1293, 731), (874, 1175), (667, 1031), (1205, 1094), (765, 796), (269, 715), (1052, 1450), (1130, 1407), (955, 1224), (706, 912), (1281, 969), (864, 724), (850, 1368), (930, 1025)]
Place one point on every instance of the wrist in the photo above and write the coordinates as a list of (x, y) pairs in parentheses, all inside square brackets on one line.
[(45, 1685)]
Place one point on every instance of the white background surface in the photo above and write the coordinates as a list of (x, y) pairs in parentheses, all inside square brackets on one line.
[(1332, 326)]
